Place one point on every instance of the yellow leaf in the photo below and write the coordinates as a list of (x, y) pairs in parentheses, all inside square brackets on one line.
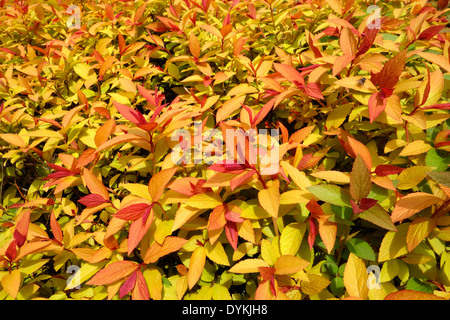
[(295, 196), (220, 292), (196, 265), (355, 277), (287, 264), (241, 89), (299, 177), (337, 116), (216, 253), (11, 283), (438, 59), (415, 148), (394, 244), (336, 5), (291, 238), (268, 252), (332, 176), (412, 176), (137, 189), (418, 230), (248, 266), (353, 83), (315, 284), (394, 144), (208, 200), (411, 204), (154, 283), (270, 198)]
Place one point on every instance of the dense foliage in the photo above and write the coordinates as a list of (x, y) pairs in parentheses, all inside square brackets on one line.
[(93, 97)]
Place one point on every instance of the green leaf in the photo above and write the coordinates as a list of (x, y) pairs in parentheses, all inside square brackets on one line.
[(331, 194), (417, 285), (361, 249)]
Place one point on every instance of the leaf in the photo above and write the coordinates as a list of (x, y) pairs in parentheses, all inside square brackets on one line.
[(299, 177), (332, 176), (11, 282), (194, 45), (411, 204), (331, 194), (133, 212), (291, 238), (248, 266), (229, 107), (418, 230), (360, 181), (128, 137), (412, 295), (13, 139), (21, 230), (287, 264), (360, 149), (355, 277), (216, 253), (391, 71), (128, 285), (289, 73), (361, 249), (158, 183), (92, 200), (56, 228), (196, 265), (140, 290), (270, 198), (378, 216), (113, 272), (387, 169), (394, 244), (130, 114), (94, 184), (156, 251), (315, 285), (208, 200)]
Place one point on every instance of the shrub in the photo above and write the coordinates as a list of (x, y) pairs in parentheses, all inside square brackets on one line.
[(112, 123)]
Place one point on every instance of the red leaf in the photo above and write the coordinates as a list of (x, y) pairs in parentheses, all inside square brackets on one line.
[(367, 203), (11, 251), (315, 209), (132, 212), (443, 106), (387, 169), (430, 32), (21, 231), (228, 168), (130, 114), (313, 231), (355, 207), (128, 285), (313, 90), (367, 40), (92, 200), (232, 233)]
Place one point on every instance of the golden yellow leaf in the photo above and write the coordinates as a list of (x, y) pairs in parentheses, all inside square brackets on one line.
[(415, 148), (270, 198), (333, 176), (11, 282), (287, 264), (248, 266), (196, 265), (418, 230), (355, 277)]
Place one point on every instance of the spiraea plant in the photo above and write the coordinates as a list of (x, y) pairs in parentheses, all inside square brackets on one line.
[(224, 149)]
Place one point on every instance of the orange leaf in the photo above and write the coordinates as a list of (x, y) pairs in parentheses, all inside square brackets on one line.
[(56, 228), (360, 149), (11, 283), (138, 229), (360, 180), (21, 231), (156, 251), (128, 137), (140, 290), (104, 132), (418, 230), (390, 74), (196, 265), (412, 295), (94, 184), (411, 204), (159, 181), (194, 45), (113, 272)]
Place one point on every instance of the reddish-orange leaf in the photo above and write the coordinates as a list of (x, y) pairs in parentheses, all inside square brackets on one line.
[(113, 272), (56, 228), (133, 212), (360, 149), (377, 104), (21, 231), (140, 290), (194, 45), (390, 74), (156, 251), (104, 132), (138, 229), (412, 295)]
